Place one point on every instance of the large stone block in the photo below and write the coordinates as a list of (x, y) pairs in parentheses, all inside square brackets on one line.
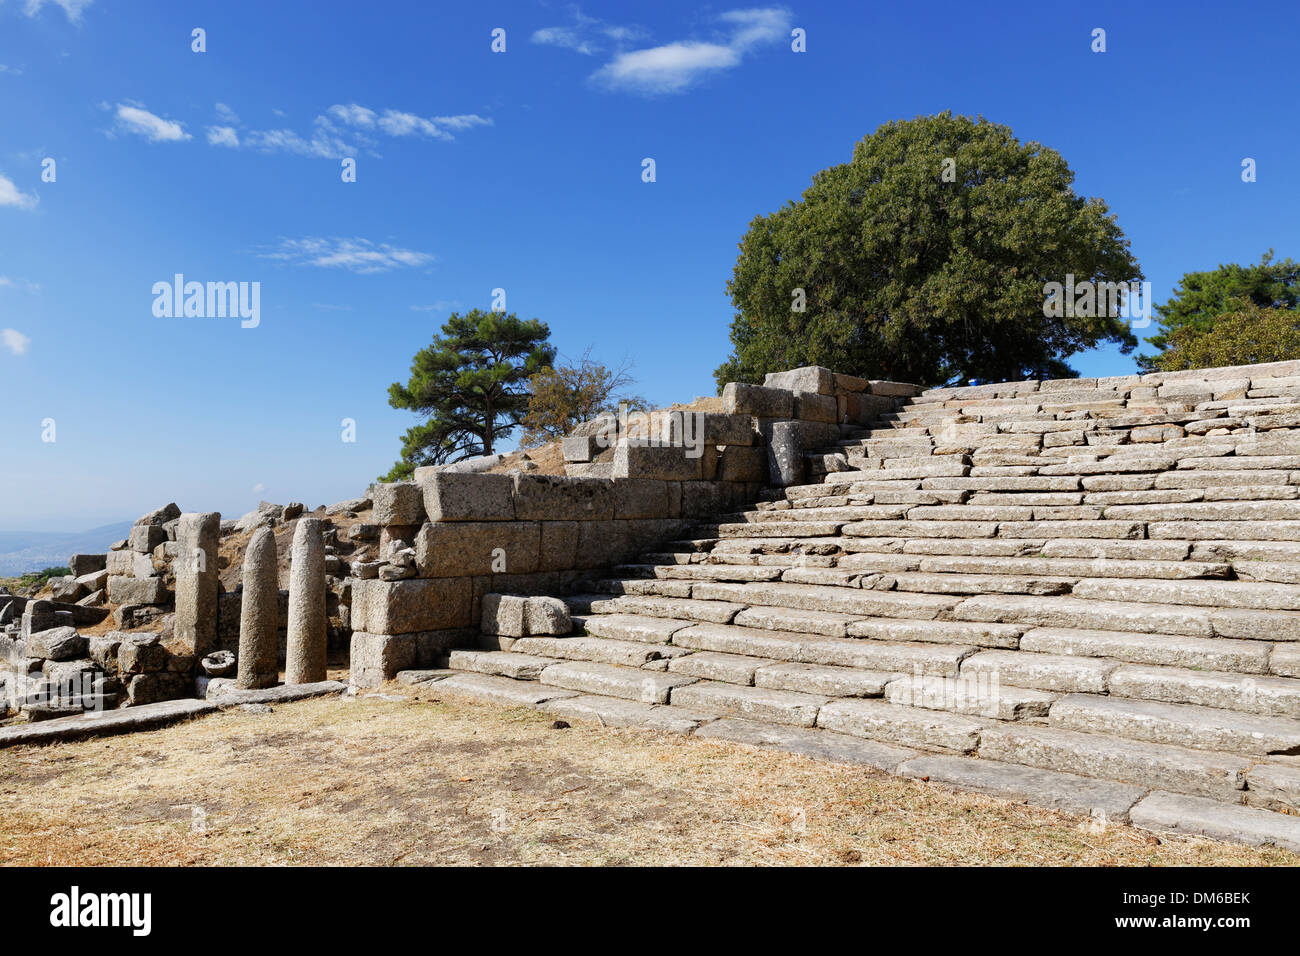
[(857, 408), (445, 549), (691, 427), (811, 407), (404, 607), (145, 537), (398, 503), (123, 590), (503, 615), (559, 545), (741, 399), (743, 463), (809, 378), (57, 644), (375, 658), (559, 498), (454, 496), (641, 498), (141, 653), (578, 448), (80, 564), (665, 462), (196, 581)]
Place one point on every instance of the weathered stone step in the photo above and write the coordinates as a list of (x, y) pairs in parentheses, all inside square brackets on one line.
[(702, 572), (1102, 799), (1214, 654), (820, 680), (968, 633), (938, 659), (710, 665), (610, 680), (1240, 530), (1177, 813), (772, 529), (746, 641), (909, 726), (601, 649), (1075, 568), (819, 598), (617, 712), (1056, 672), (1185, 725), (1088, 614), (755, 703), (1180, 769), (1208, 511), (973, 696), (500, 690), (981, 584), (822, 744), (1274, 696), (647, 587), (823, 623), (630, 627), (1240, 594), (500, 663), (717, 612)]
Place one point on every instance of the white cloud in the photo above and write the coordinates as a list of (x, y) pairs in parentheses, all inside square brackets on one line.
[(674, 67), (223, 136), (355, 255), (343, 130), (72, 8), (226, 115), (9, 282), (5, 68), (133, 118), (586, 35), (564, 37), (259, 488), (14, 341), (10, 195)]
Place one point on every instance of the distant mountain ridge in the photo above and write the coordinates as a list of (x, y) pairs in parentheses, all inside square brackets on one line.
[(23, 551)]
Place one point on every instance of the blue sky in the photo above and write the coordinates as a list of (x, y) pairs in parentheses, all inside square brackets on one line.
[(518, 170)]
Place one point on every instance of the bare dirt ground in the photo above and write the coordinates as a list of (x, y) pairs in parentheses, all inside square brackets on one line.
[(376, 781)]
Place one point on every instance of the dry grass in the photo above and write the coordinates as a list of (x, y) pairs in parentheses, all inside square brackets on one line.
[(379, 781)]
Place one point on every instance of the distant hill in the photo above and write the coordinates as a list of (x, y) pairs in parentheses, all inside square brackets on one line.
[(23, 551)]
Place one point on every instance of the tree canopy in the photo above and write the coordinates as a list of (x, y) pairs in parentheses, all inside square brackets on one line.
[(1245, 334), (924, 258), (569, 393), (1202, 299), (470, 386)]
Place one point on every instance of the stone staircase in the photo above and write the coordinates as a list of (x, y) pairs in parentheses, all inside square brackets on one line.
[(1084, 593)]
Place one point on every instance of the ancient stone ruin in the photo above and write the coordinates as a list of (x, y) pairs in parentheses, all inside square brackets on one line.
[(1083, 593)]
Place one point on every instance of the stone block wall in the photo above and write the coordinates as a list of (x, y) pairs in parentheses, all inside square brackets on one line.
[(451, 536)]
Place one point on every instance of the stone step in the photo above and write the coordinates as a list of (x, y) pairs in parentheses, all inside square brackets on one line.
[(1221, 776), (1214, 654), (820, 680), (1178, 813), (839, 600), (701, 572), (821, 744), (601, 649), (1088, 614), (1250, 693), (772, 529), (972, 696), (747, 641), (617, 712), (822, 623), (646, 587), (908, 726), (1074, 568), (967, 633), (500, 663), (1051, 672), (710, 665), (1100, 799), (610, 680), (1241, 530), (1237, 594), (716, 612), (631, 627), (755, 703), (1206, 511), (499, 690), (928, 659), (1185, 725), (980, 584)]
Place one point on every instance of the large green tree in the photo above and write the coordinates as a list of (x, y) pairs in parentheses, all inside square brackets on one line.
[(1202, 299), (924, 258), (1244, 334), (470, 386)]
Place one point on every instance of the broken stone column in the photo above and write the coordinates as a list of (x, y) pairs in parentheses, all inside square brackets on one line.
[(196, 581), (305, 658), (259, 614), (785, 454)]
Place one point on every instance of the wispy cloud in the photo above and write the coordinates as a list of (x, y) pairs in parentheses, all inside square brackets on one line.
[(14, 341), (587, 35), (11, 195), (442, 305), (354, 255), (342, 130), (72, 8), (135, 119), (675, 67), (5, 68), (9, 282)]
